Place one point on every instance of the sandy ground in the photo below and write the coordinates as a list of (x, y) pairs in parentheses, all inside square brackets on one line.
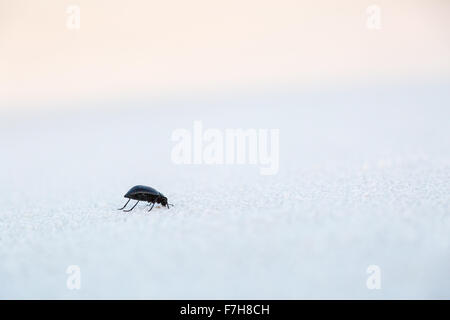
[(363, 180)]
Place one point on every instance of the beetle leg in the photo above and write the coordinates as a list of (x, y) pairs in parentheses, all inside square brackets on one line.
[(153, 204), (124, 205), (131, 208)]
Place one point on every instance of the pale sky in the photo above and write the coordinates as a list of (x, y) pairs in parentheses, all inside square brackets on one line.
[(126, 48)]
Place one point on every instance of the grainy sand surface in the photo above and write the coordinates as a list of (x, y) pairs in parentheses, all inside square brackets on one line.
[(364, 179)]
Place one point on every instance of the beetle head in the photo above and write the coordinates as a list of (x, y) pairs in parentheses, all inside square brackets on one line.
[(163, 201)]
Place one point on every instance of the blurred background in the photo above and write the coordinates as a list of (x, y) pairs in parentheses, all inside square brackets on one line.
[(172, 48), (91, 92)]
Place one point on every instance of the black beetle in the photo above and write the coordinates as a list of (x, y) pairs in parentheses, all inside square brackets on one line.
[(144, 193)]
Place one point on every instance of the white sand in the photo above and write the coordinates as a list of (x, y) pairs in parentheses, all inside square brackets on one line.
[(364, 179)]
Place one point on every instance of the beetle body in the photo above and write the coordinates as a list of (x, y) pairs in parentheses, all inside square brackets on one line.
[(145, 193)]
